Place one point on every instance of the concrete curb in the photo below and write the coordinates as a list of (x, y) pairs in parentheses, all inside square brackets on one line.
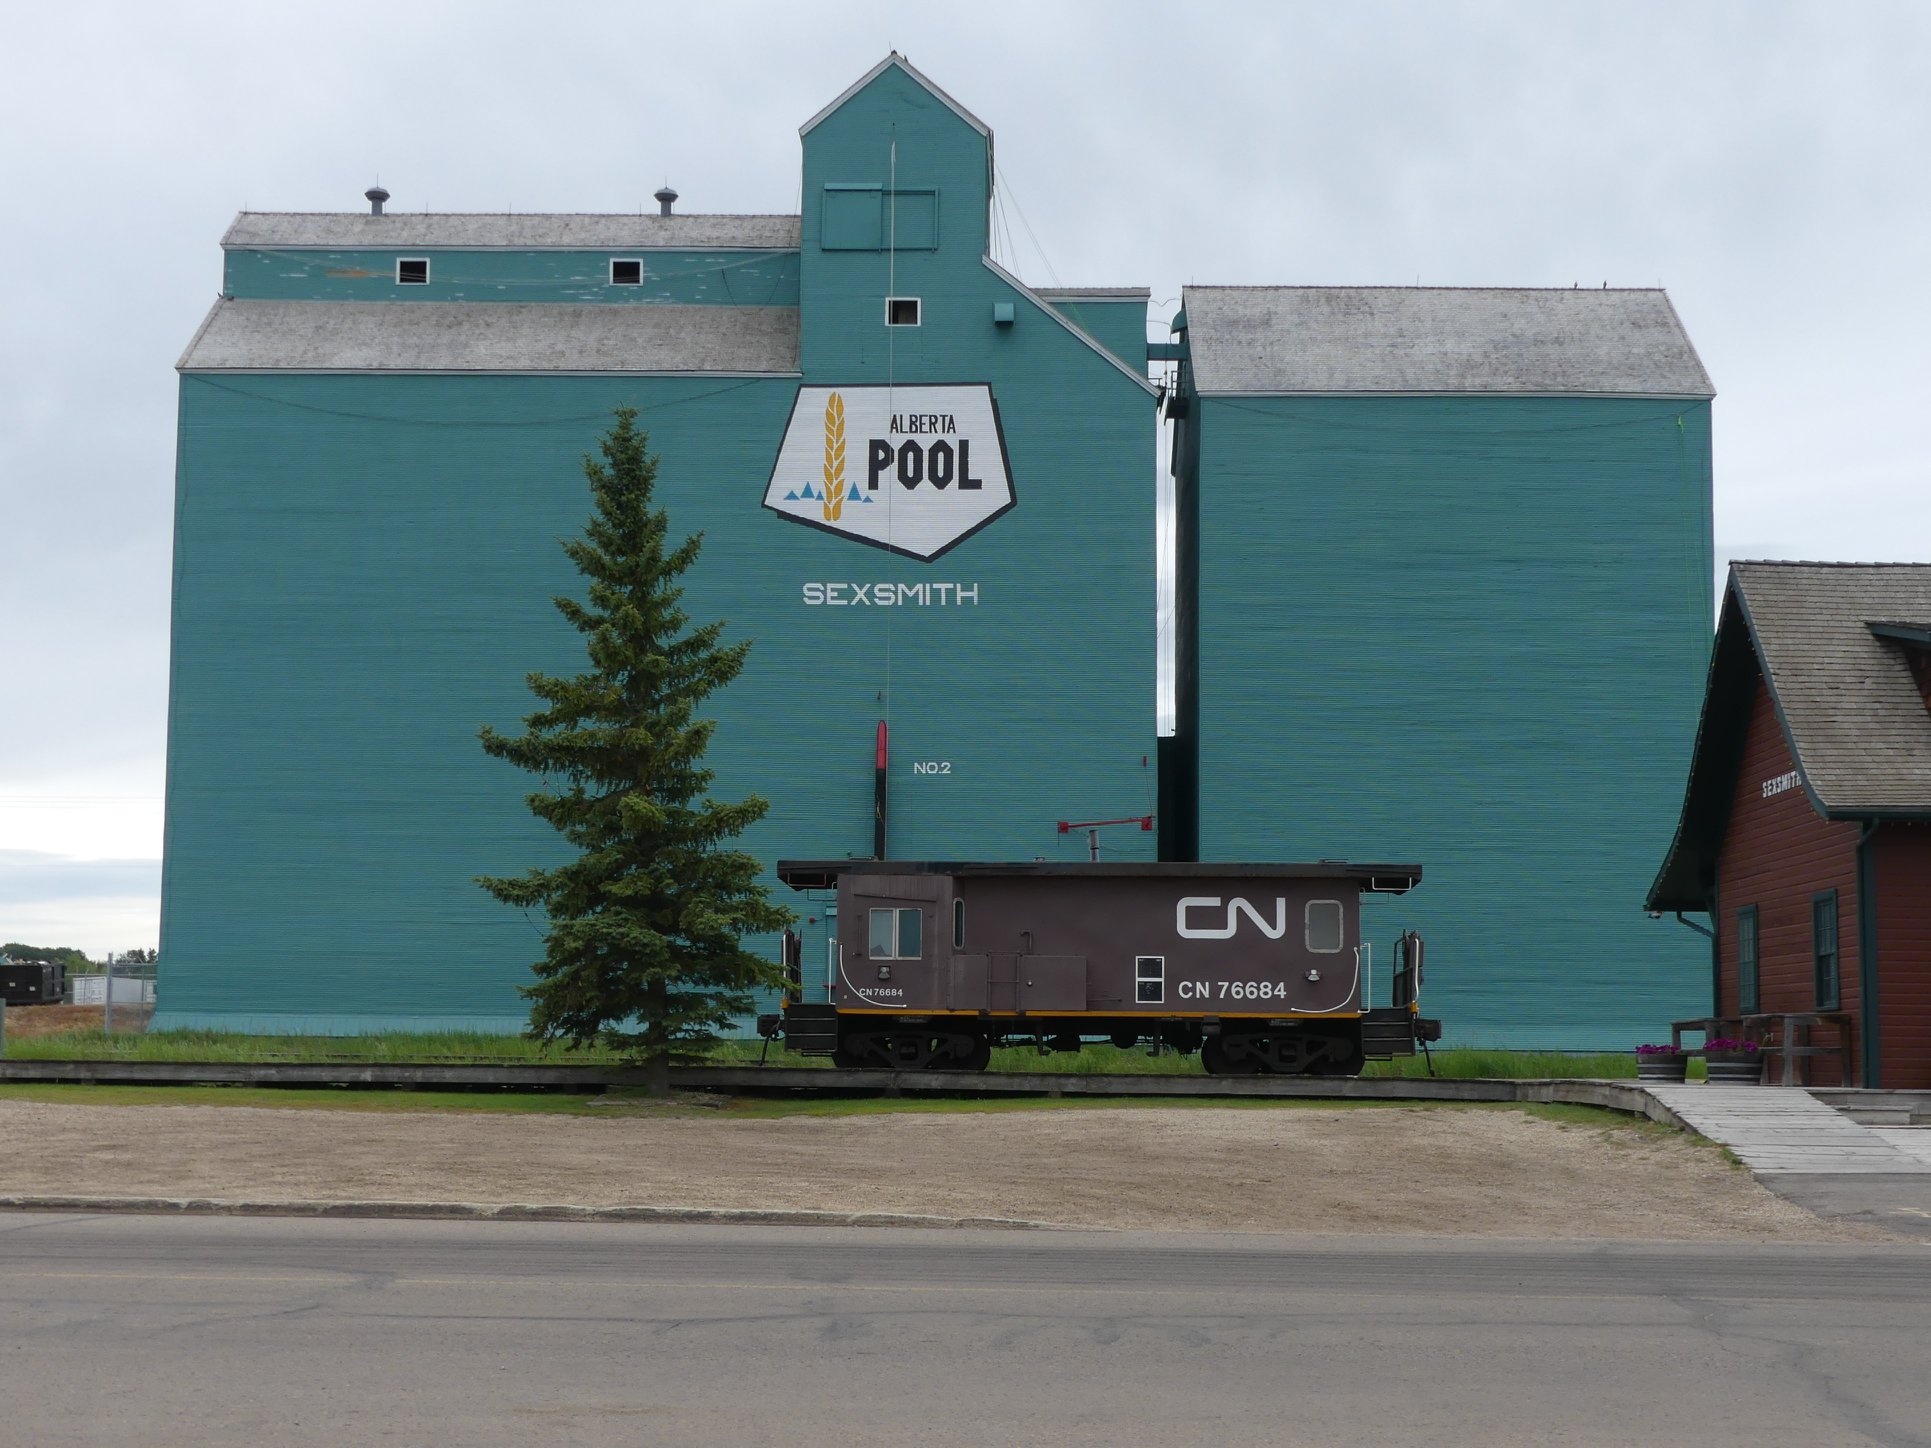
[(509, 1212)]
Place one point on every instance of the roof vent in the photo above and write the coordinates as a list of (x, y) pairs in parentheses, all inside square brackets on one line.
[(376, 197), (664, 198)]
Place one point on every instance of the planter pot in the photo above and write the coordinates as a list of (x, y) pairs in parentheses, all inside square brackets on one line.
[(1662, 1066), (1738, 1068)]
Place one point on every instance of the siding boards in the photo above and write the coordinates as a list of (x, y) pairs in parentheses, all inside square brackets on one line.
[(1901, 871), (723, 278), (364, 568), (1472, 632), (1777, 853)]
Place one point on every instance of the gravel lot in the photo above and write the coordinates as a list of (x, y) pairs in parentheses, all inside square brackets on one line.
[(1395, 1170)]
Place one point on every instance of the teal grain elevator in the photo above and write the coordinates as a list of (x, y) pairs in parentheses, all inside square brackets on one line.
[(381, 428), (1443, 618), (1444, 576)]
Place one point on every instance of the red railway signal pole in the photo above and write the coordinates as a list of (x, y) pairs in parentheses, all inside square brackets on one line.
[(1093, 828)]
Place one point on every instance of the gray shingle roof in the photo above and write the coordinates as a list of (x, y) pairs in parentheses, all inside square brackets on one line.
[(1859, 726), (1440, 340), (1846, 699), (332, 229), (246, 335)]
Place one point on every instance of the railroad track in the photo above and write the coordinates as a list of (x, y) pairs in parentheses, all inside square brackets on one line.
[(784, 1080)]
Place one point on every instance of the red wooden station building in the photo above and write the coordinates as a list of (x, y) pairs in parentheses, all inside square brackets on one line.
[(1806, 826)]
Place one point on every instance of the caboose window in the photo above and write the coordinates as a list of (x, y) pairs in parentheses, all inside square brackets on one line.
[(1324, 926), (895, 934), (1149, 979)]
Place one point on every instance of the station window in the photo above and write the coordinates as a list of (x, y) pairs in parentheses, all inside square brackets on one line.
[(626, 272), (412, 271), (901, 311), (1823, 930), (958, 925), (1748, 1002), (1324, 926), (1150, 979), (895, 934)]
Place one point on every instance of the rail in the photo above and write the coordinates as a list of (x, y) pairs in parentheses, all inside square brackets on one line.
[(777, 1080)]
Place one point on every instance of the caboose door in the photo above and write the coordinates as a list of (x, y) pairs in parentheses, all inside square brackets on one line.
[(1002, 982)]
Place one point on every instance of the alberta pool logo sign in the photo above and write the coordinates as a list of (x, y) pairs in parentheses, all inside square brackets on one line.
[(913, 470)]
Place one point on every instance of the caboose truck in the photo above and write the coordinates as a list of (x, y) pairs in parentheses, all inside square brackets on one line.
[(1260, 968)]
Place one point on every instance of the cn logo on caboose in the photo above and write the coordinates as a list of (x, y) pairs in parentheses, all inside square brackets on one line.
[(1273, 929)]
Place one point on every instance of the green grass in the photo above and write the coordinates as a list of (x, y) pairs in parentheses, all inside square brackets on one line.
[(478, 1048), (207, 1046), (333, 1098)]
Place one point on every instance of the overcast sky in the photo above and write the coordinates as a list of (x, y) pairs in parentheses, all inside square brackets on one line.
[(1767, 162)]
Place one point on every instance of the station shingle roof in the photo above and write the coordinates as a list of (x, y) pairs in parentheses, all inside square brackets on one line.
[(253, 335), (1846, 696), (1857, 723), (336, 230), (1325, 340)]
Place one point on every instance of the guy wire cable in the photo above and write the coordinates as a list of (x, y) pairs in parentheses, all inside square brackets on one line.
[(891, 379)]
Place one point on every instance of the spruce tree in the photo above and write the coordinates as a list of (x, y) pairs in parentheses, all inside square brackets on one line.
[(645, 942)]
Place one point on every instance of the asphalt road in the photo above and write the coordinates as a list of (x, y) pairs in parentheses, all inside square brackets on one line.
[(215, 1331)]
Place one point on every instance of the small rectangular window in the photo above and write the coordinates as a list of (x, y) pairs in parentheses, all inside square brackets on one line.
[(626, 272), (895, 934), (1823, 930), (1748, 1003), (1150, 979), (1324, 919), (958, 925), (412, 271), (901, 311)]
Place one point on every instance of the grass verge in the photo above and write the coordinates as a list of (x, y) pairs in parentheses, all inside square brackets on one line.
[(477, 1048)]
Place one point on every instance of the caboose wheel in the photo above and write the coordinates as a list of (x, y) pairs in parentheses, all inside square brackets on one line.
[(1343, 1058), (976, 1059), (1217, 1060)]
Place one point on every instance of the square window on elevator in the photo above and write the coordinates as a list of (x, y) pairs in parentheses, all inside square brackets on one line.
[(626, 272), (901, 311), (412, 271)]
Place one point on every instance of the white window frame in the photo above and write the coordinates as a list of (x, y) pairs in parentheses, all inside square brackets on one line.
[(1340, 934), (1140, 978), (636, 261), (401, 260), (918, 309)]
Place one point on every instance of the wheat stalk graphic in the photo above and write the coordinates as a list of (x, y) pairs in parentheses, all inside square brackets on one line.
[(834, 457)]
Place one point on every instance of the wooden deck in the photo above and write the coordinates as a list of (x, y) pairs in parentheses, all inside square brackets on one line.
[(1785, 1131)]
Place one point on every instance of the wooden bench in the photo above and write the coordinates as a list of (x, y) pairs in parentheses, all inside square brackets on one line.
[(1776, 1032)]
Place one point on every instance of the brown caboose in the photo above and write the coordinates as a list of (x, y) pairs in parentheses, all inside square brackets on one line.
[(1258, 967)]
